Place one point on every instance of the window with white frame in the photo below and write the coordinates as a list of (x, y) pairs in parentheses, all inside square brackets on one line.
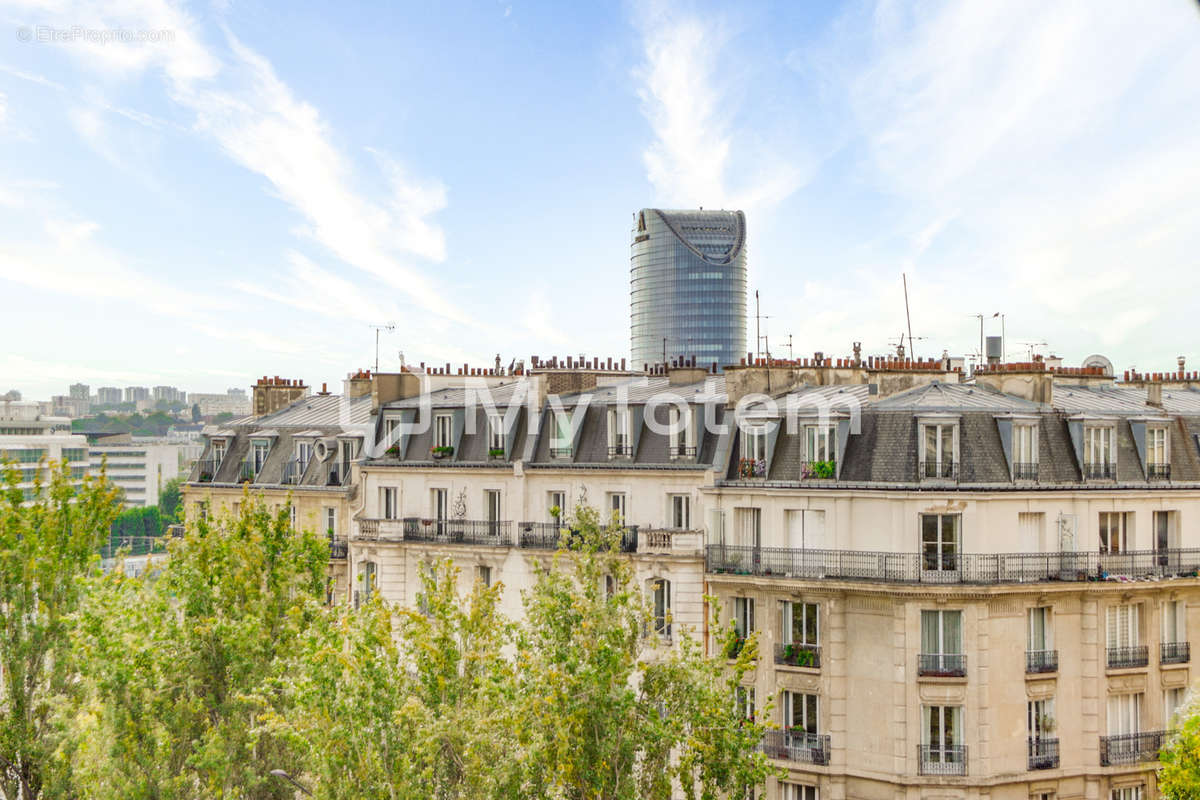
[(661, 596), (941, 633), (800, 712), (1156, 446), (748, 528), (940, 541), (491, 504), (1040, 630), (560, 443), (1122, 623), (799, 791), (743, 616), (1099, 456), (801, 623), (292, 515), (1114, 532), (368, 582), (304, 451), (1124, 713), (258, 454), (387, 502), (939, 449), (616, 507), (495, 433), (483, 574), (1166, 530), (443, 427), (1040, 722), (619, 433), (681, 437), (744, 702), (218, 451), (390, 436), (1173, 700), (681, 511), (942, 733), (331, 521), (1126, 793), (1025, 450), (440, 502), (820, 443), (754, 443), (556, 506)]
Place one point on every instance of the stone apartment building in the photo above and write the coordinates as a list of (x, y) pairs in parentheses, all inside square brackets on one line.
[(978, 587)]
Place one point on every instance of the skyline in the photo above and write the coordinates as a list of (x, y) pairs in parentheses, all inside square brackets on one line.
[(260, 198)]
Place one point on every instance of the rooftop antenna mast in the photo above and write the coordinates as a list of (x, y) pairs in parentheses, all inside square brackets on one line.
[(908, 316), (390, 326)]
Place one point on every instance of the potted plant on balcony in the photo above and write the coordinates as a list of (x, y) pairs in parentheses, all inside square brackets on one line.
[(393, 451), (441, 451), (733, 645), (495, 452), (821, 470), (206, 477)]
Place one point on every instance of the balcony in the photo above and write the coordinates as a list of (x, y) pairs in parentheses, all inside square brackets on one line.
[(670, 540), (246, 471), (379, 530), (942, 665), (797, 745), (339, 474), (1128, 657), (494, 533), (752, 468), (970, 568), (1131, 748), (1039, 661), (818, 470), (798, 655), (1174, 653), (1025, 471), (293, 471), (1043, 753), (561, 452), (935, 470), (620, 451), (941, 759), (1158, 472), (682, 451), (206, 469), (546, 535), (339, 549), (1100, 472)]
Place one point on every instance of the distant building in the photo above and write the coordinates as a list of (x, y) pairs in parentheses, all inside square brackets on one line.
[(237, 403), (688, 287), (62, 405), (141, 466), (169, 394), (32, 439), (136, 394), (108, 396), (80, 391)]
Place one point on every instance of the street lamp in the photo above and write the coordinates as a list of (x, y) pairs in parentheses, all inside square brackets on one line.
[(278, 773)]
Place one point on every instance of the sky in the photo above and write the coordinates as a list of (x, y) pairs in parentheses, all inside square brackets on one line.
[(197, 194)]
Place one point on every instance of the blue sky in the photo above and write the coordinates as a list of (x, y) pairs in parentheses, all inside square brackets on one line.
[(251, 193)]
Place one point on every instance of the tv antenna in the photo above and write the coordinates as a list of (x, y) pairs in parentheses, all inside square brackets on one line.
[(390, 326), (1032, 345), (907, 317)]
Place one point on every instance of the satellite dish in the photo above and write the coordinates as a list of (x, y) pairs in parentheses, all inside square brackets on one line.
[(1100, 361)]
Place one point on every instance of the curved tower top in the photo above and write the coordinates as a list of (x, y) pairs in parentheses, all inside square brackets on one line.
[(688, 287)]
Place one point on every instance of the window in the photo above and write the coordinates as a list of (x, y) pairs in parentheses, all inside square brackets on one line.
[(443, 426), (1156, 447), (368, 582), (1025, 452), (940, 543), (754, 443), (744, 702), (1173, 622), (491, 502), (556, 505), (1041, 634), (202, 510), (941, 734), (303, 454), (390, 436), (616, 507), (561, 444), (1123, 625), (331, 521), (749, 527), (820, 443), (1098, 455), (1124, 713), (1172, 702), (218, 451), (800, 712), (681, 437), (1039, 719), (743, 616), (495, 432), (661, 588), (619, 439), (347, 450), (941, 643), (292, 515), (1114, 533), (1165, 532), (1126, 793), (681, 511), (938, 452), (258, 454), (799, 791), (387, 502), (440, 500), (801, 623), (483, 574)]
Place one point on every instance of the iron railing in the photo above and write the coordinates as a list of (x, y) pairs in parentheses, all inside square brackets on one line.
[(561, 452), (339, 474), (339, 549), (948, 759), (945, 470), (1025, 471), (620, 450), (497, 533), (1041, 661), (293, 470), (1100, 472), (1131, 748), (1126, 657), (942, 665), (246, 471), (798, 655), (546, 535), (206, 469), (1158, 472), (1043, 753), (801, 746), (682, 451), (974, 568), (1174, 652)]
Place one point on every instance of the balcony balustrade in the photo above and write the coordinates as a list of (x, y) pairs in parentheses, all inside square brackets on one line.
[(1158, 472), (942, 759), (682, 451), (339, 549), (1100, 472), (293, 471), (1128, 657), (797, 745), (546, 535), (1131, 748), (1043, 753), (496, 533), (942, 665), (798, 655), (206, 469), (1025, 471), (935, 470), (1039, 661), (1174, 653)]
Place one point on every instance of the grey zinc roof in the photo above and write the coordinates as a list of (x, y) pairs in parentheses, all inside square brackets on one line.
[(456, 396), (314, 410), (641, 390), (938, 396)]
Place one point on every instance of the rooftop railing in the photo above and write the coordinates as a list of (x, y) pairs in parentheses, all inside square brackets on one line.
[(620, 451), (794, 745), (1100, 472), (682, 451), (974, 568), (1158, 472), (246, 471), (1131, 748), (206, 469), (293, 470), (1025, 471)]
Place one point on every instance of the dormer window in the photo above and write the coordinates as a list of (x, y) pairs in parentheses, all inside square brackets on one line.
[(495, 433), (939, 449), (442, 427), (259, 448), (218, 452), (303, 455), (1025, 452), (1099, 453), (1158, 463), (820, 451), (391, 438), (754, 452), (560, 444), (682, 442), (619, 433)]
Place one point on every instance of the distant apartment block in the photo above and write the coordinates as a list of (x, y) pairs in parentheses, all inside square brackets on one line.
[(234, 401), (108, 396), (31, 440), (140, 466)]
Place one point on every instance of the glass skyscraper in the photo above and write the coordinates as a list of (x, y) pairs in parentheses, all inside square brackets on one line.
[(687, 293)]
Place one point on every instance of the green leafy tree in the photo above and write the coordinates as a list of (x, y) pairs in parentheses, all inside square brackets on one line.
[(170, 503), (179, 665), (46, 544), (1179, 775)]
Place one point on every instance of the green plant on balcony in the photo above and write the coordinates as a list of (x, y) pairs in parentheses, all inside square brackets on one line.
[(441, 451), (496, 452), (393, 451), (823, 470), (752, 468), (798, 655), (733, 644)]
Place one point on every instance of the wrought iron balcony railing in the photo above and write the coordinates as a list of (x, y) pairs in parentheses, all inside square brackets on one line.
[(798, 655), (1025, 471), (682, 451), (246, 471), (752, 468), (1174, 653), (1158, 472), (1131, 748), (561, 452), (972, 568), (1100, 472), (620, 451), (496, 533), (939, 470), (293, 471), (1037, 661), (796, 745), (546, 536), (942, 665), (1043, 753), (339, 549), (1126, 657), (339, 474), (206, 470), (942, 759)]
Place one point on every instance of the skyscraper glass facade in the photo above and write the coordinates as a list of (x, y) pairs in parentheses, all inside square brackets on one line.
[(688, 287)]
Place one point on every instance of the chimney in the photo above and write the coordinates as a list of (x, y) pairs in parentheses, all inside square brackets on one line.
[(1154, 394), (271, 394), (357, 384)]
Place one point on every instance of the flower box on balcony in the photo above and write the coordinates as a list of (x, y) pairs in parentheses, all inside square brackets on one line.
[(443, 451), (752, 468), (819, 470), (496, 452)]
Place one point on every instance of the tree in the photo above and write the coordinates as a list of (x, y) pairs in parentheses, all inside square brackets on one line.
[(1179, 775), (46, 544), (453, 701), (177, 668), (195, 412), (170, 502), (224, 416)]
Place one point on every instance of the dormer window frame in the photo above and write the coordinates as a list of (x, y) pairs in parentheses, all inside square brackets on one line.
[(681, 439), (820, 442), (496, 435), (754, 442), (303, 450), (390, 424), (443, 430), (260, 451), (1026, 442), (938, 464), (1158, 451), (1100, 439), (219, 449), (620, 432), (561, 445)]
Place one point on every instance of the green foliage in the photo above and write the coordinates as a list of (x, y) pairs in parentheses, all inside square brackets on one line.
[(170, 503), (224, 416), (178, 667), (136, 522), (820, 469), (45, 546), (1179, 775), (156, 423)]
